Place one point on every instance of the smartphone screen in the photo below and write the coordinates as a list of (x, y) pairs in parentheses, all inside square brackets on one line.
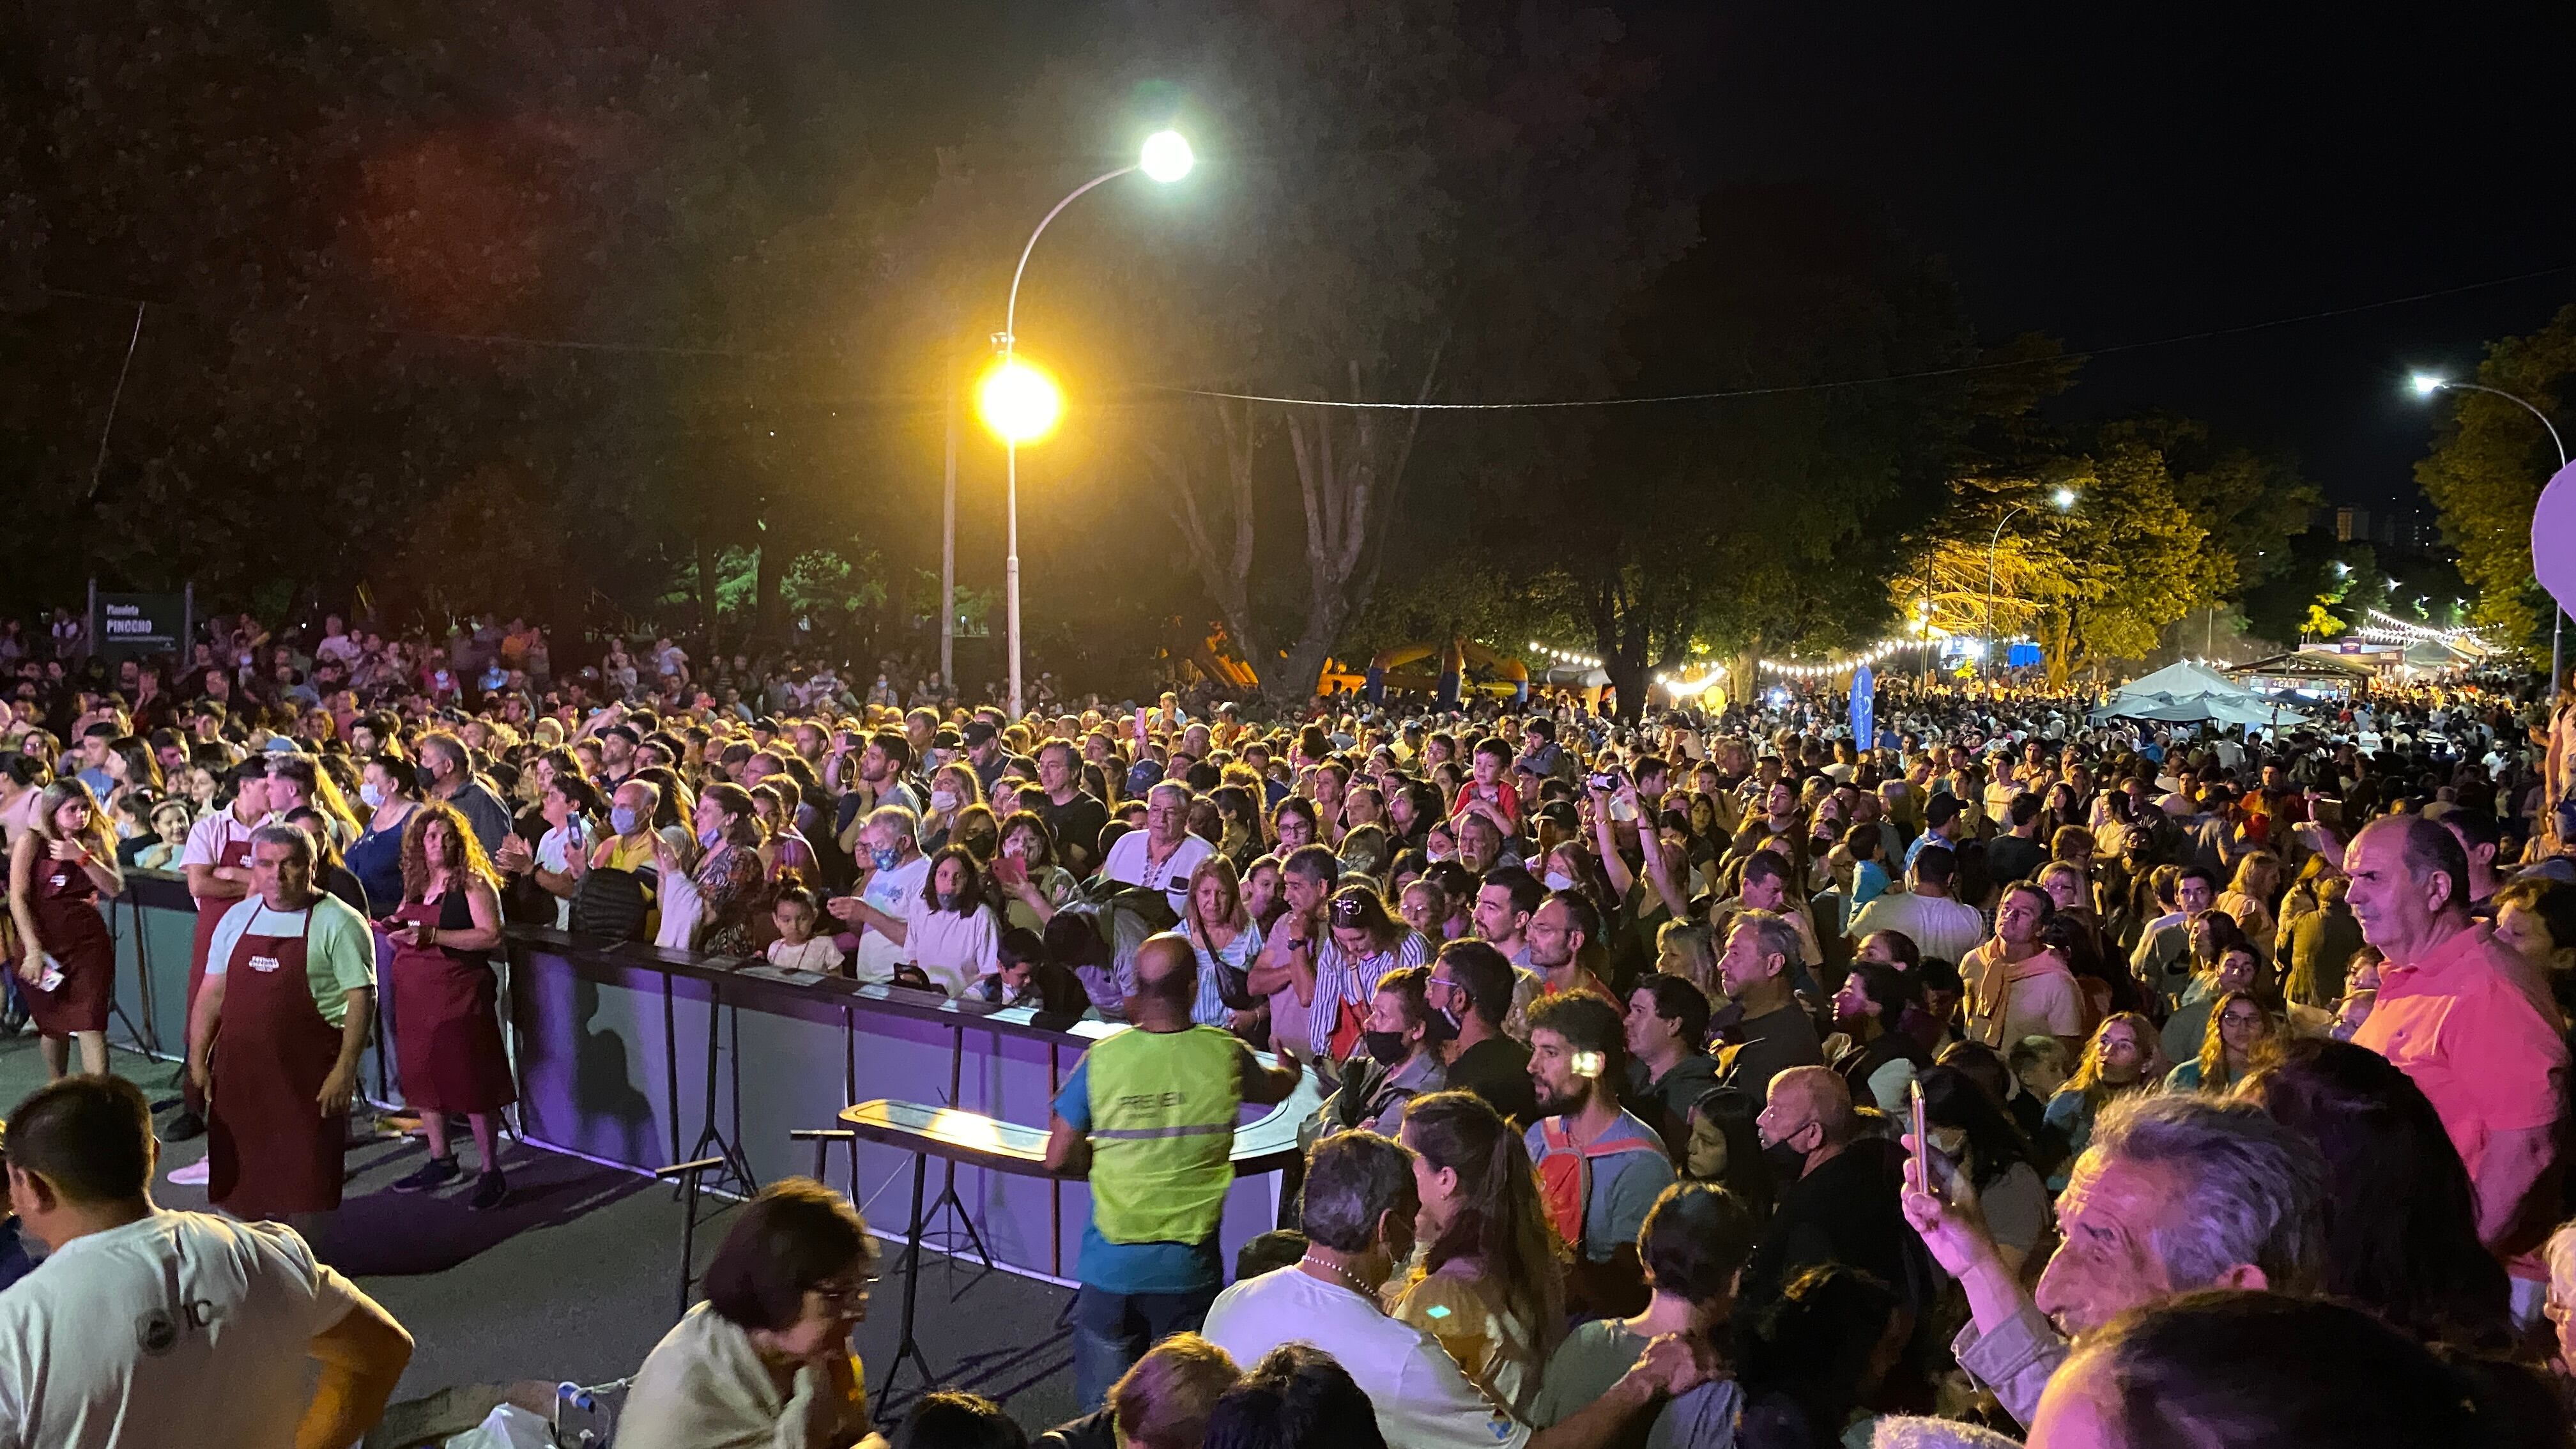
[(1916, 1168)]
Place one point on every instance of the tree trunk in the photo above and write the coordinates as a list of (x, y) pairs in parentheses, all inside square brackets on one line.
[(766, 627), (1226, 575), (708, 622)]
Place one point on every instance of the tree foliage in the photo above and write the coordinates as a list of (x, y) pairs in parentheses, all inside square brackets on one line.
[(2485, 474)]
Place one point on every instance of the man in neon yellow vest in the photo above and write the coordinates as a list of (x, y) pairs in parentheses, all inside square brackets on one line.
[(1149, 1116)]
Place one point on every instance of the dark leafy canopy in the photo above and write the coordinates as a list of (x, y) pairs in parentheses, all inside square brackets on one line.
[(324, 209), (1774, 520), (2486, 472)]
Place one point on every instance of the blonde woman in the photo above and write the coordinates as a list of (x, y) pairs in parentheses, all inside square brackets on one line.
[(1227, 940), (2248, 898), (2122, 1057), (59, 866)]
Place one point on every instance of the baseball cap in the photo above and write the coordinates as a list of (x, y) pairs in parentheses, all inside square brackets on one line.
[(978, 732)]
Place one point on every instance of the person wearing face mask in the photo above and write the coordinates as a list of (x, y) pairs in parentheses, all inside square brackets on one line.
[(728, 878), (389, 789), (1840, 1203), (1399, 1055), (892, 875)]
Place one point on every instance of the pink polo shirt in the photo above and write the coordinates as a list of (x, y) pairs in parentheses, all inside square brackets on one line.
[(2466, 1025)]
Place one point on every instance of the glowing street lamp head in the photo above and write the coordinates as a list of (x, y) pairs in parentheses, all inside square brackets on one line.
[(1018, 402), (1166, 157), (2426, 384), (2063, 498)]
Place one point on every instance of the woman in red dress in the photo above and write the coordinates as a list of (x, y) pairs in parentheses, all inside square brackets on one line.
[(447, 1030), (58, 870)]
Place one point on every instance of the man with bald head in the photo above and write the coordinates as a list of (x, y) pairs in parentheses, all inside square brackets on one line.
[(1149, 1116), (1840, 1205), (2462, 1015)]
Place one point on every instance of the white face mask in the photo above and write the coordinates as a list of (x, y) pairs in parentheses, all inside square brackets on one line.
[(943, 800), (1557, 880)]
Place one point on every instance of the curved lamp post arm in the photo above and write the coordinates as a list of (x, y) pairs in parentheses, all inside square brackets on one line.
[(1011, 312), (2518, 401)]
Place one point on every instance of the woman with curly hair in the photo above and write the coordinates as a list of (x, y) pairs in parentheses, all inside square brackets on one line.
[(447, 1030), (1491, 1284)]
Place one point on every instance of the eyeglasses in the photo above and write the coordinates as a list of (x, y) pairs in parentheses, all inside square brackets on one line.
[(1349, 911), (841, 1296)]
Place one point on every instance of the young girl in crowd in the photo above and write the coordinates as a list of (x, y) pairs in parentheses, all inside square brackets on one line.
[(797, 947)]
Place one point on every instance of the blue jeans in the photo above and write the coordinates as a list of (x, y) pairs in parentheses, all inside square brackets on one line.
[(1112, 1330)]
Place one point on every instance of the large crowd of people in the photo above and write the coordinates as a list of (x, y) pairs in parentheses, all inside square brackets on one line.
[(2239, 1056)]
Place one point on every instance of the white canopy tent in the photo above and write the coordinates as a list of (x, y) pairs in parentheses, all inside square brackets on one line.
[(2189, 693)]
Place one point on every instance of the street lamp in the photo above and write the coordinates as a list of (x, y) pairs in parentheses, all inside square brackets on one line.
[(1020, 403), (2063, 500), (2426, 384)]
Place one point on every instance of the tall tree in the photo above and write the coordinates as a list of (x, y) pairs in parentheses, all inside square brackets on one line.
[(2486, 471)]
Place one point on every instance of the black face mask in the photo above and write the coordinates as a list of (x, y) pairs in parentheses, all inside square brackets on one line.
[(1787, 1161), (1388, 1047)]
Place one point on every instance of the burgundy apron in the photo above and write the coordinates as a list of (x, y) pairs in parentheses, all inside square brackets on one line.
[(271, 1149), (75, 934), (447, 1027), (210, 914)]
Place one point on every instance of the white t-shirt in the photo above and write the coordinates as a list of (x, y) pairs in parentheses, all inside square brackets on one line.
[(893, 892), (178, 1328), (1129, 864), (1422, 1400), (954, 949), (817, 955)]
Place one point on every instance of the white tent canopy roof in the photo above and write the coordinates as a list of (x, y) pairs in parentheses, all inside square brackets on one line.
[(2187, 693)]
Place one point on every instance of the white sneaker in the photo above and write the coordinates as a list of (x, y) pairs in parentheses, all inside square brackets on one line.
[(192, 1175)]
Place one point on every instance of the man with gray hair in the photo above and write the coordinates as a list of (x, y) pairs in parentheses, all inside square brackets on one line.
[(2175, 1192), (1163, 855), (891, 872), (1359, 1206), (273, 1041), (1768, 1030)]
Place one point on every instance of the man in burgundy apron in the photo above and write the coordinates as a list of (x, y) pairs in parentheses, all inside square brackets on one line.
[(276, 1072), (218, 843)]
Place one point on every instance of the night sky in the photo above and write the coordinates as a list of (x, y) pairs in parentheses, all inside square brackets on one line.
[(2104, 174), (2111, 174)]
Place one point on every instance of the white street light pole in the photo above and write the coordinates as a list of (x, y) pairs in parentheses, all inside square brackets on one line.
[(1166, 158), (2425, 386)]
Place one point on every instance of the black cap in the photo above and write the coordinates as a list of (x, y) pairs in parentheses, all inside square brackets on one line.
[(978, 732)]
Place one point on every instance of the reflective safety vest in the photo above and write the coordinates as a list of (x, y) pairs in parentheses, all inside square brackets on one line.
[(1163, 1110)]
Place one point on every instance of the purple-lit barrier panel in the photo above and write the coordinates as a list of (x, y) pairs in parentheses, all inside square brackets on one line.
[(613, 1055)]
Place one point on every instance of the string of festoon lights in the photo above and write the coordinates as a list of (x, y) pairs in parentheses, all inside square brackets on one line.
[(2389, 625), (1564, 656)]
